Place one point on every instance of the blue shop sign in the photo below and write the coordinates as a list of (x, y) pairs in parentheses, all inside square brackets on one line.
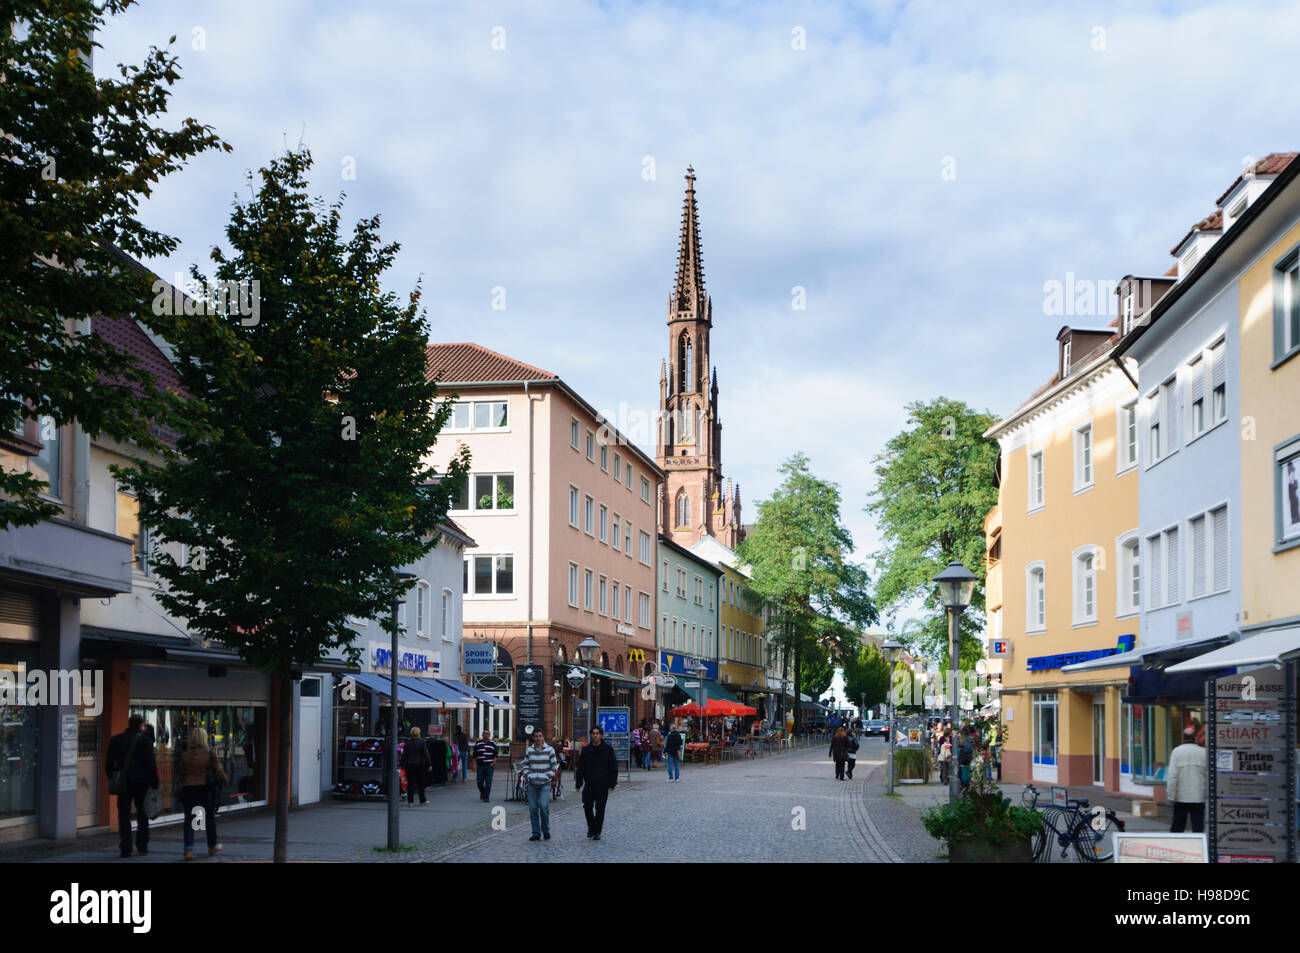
[(675, 664), (406, 662), (1046, 663)]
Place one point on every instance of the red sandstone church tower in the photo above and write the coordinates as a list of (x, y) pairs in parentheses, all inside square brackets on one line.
[(694, 502)]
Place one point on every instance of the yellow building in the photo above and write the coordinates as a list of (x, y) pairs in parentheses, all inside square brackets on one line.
[(742, 645), (1062, 558)]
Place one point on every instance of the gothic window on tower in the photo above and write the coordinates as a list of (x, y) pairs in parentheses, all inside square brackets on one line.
[(685, 364), (684, 424), (683, 509)]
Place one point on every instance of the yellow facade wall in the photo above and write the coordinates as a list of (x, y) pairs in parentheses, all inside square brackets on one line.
[(1270, 415)]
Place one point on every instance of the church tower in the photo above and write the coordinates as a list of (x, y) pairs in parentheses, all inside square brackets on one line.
[(694, 503)]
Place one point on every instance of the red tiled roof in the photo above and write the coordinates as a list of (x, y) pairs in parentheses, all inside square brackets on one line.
[(469, 363), (1271, 164), (127, 337), (1209, 222)]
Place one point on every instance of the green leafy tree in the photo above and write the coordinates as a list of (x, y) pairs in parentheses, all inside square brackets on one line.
[(866, 677), (300, 487), (800, 554), (934, 486), (78, 154), (818, 673)]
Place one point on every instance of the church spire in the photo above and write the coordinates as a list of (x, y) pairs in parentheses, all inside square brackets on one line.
[(689, 290)]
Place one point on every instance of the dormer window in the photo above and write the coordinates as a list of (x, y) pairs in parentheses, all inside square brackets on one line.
[(1187, 263), (1065, 357), (1236, 211), (1126, 320)]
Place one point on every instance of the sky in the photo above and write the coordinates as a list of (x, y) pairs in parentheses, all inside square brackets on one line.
[(912, 174)]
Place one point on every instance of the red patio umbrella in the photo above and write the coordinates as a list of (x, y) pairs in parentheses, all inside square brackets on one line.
[(719, 707)]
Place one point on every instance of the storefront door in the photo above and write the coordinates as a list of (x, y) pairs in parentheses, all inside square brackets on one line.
[(1099, 742), (309, 752)]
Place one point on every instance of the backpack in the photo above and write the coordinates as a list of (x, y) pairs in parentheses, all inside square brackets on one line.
[(966, 755)]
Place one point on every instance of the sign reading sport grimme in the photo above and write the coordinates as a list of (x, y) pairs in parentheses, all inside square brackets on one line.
[(1252, 767)]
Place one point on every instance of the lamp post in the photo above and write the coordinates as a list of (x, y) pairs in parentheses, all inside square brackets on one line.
[(586, 649), (891, 648), (956, 586), (394, 776)]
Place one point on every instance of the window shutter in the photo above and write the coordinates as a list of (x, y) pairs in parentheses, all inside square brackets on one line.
[(1171, 415), (1198, 556), (1171, 558), (1153, 598), (1219, 354), (1220, 522), (1198, 380)]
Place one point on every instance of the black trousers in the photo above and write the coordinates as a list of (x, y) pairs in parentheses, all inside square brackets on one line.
[(593, 805), (417, 779), (849, 766), (839, 770), (134, 795), (1188, 809), (195, 796)]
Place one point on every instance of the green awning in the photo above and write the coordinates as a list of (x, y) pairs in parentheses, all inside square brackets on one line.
[(606, 673), (713, 689)]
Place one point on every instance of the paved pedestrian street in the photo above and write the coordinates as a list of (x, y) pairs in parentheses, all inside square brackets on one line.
[(788, 807)]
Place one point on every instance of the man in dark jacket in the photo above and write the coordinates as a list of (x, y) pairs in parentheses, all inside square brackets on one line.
[(131, 752), (598, 772), (673, 754), (415, 759)]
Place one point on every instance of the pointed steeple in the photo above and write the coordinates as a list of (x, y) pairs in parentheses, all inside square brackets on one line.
[(689, 290)]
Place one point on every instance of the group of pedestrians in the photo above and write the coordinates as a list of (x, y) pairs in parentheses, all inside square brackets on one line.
[(844, 752), (648, 744)]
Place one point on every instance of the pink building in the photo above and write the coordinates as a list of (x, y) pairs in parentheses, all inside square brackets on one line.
[(563, 509)]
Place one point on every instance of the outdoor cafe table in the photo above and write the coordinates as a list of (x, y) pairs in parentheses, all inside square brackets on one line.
[(696, 747)]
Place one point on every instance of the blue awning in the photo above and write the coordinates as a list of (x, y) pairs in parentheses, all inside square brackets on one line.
[(414, 692), (463, 689)]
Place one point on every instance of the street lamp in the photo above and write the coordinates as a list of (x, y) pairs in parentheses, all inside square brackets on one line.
[(394, 776), (891, 647), (586, 651), (956, 586)]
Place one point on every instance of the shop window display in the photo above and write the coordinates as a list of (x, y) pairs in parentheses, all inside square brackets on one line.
[(237, 734), (19, 740)]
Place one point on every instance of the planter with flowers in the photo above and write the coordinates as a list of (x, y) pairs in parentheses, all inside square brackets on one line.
[(984, 827)]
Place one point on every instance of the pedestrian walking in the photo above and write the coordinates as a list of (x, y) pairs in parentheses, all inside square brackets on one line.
[(673, 754), (656, 746), (132, 770), (1186, 783), (945, 757), (415, 759), (839, 752), (541, 767), (485, 756), (852, 754), (644, 748), (200, 773), (461, 740), (598, 772)]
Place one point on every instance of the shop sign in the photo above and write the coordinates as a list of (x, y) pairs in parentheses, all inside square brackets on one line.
[(382, 659), (1152, 848), (998, 648), (530, 700), (1046, 663), (624, 629), (479, 658), (1252, 763), (676, 664)]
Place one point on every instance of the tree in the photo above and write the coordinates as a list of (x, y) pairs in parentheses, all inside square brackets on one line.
[(934, 486), (818, 673), (866, 677), (300, 486), (78, 155), (799, 553)]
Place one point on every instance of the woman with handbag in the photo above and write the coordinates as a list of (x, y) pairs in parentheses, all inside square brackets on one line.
[(200, 773)]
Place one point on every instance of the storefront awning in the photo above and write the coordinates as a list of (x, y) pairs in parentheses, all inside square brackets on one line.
[(1267, 648), (474, 693), (606, 673), (713, 689), (413, 693), (1147, 655)]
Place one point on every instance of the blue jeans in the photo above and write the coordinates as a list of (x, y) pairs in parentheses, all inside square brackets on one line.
[(674, 766), (464, 764), (539, 807), (483, 776)]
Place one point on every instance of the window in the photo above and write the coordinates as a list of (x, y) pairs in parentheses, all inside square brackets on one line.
[(604, 457), (645, 490), (47, 464), (604, 523), (480, 415), (683, 509), (627, 539), (1126, 436), (1153, 427), (685, 365), (645, 555), (664, 577), (1163, 569), (699, 591), (591, 446), (627, 603), (627, 472), (1126, 324), (446, 612), (1036, 480), (1209, 551), (603, 594), (587, 579), (1083, 457), (1169, 411), (618, 467), (573, 585), (1218, 361), (574, 432), (1286, 460), (710, 597), (643, 610), (674, 643), (1286, 306), (422, 609), (614, 600), (1196, 378), (1128, 597), (1085, 585), (1036, 598), (681, 583), (1065, 358), (573, 506), (128, 526), (589, 516), (1044, 721), (486, 491), (489, 575), (615, 539)]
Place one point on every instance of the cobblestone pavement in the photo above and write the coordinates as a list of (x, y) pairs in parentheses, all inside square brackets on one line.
[(788, 807)]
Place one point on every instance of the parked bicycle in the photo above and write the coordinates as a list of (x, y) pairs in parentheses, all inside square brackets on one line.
[(1090, 831)]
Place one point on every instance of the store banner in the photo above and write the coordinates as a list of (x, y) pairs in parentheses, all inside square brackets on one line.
[(530, 700)]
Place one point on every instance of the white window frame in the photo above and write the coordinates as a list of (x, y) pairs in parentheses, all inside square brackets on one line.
[(643, 609), (617, 468), (604, 523), (1085, 458), (627, 539), (1124, 461), (664, 582), (1215, 541), (1037, 480), (645, 556), (472, 405), (471, 494), (1083, 575), (575, 434), (1155, 570), (645, 491), (591, 445), (1125, 605), (616, 531), (573, 585), (602, 597), (1035, 615), (699, 590), (470, 579), (627, 603), (447, 596), (422, 609), (574, 501), (588, 589), (589, 515), (604, 457), (1127, 312)]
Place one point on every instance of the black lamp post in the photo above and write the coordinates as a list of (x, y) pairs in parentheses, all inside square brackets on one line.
[(891, 648), (956, 586), (394, 775)]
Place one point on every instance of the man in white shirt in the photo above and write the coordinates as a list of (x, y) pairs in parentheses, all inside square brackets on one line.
[(1186, 781)]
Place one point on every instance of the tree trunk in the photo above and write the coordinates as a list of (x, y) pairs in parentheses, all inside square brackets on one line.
[(798, 685), (285, 684)]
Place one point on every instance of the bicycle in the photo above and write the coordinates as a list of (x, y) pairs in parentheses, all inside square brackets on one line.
[(1091, 832)]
